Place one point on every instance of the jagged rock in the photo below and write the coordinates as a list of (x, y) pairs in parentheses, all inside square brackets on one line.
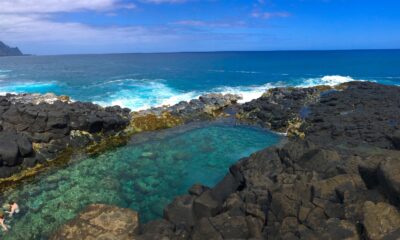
[(206, 206), (278, 107), (205, 230), (205, 107), (24, 146), (389, 175), (231, 227), (158, 229), (396, 139), (180, 211), (8, 152), (197, 189), (229, 184), (322, 183), (323, 161), (381, 221), (313, 187), (328, 189), (336, 229), (34, 123), (100, 221)]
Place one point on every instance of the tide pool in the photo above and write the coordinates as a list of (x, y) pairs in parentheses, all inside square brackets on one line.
[(145, 175)]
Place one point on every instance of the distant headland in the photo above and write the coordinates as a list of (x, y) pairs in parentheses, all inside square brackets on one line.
[(9, 51)]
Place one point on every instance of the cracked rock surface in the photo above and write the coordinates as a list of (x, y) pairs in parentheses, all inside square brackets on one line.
[(340, 180)]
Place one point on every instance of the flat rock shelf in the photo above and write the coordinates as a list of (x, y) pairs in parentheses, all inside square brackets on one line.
[(145, 175)]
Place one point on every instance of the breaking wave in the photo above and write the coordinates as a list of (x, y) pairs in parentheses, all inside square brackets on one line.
[(139, 94)]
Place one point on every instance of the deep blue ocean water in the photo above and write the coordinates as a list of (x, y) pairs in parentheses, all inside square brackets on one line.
[(139, 81)]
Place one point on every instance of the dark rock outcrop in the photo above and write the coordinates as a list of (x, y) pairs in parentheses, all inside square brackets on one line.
[(9, 51), (337, 180), (336, 177), (35, 128), (206, 107)]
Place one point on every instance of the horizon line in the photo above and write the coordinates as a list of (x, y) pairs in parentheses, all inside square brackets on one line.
[(220, 51)]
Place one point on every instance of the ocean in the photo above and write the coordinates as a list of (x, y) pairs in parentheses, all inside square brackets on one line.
[(154, 168), (140, 81)]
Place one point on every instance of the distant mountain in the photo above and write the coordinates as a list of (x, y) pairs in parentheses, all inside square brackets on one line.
[(8, 51)]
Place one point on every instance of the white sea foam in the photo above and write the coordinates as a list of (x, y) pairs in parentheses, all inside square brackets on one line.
[(246, 72), (5, 71), (248, 93), (330, 80), (139, 94), (238, 71)]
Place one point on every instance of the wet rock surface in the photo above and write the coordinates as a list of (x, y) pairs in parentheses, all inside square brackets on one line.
[(337, 181), (100, 221), (206, 107), (35, 128), (337, 176)]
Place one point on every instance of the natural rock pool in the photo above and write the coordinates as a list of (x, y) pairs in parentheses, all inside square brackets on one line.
[(144, 175)]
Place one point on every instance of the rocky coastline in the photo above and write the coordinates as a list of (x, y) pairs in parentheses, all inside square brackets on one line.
[(38, 131), (336, 177)]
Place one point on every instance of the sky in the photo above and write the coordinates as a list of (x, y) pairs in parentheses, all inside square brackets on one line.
[(120, 26)]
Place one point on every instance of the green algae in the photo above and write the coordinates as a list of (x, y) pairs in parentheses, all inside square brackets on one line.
[(144, 175)]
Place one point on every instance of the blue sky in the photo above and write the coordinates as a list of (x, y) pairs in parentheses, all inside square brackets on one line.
[(107, 26)]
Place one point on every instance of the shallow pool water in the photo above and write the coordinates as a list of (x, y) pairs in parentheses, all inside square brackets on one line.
[(144, 175)]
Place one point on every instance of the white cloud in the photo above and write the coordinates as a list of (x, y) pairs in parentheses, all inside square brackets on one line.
[(54, 6), (35, 29), (39, 30), (212, 24), (163, 1), (268, 15)]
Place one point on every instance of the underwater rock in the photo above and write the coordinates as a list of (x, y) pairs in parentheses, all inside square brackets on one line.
[(100, 221), (147, 154)]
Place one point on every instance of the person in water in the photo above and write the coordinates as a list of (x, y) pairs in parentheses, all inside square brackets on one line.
[(2, 221), (13, 208)]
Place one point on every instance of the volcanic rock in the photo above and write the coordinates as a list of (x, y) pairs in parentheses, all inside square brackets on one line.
[(100, 221)]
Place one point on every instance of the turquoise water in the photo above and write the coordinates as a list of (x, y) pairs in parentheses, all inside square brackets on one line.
[(145, 175), (142, 80)]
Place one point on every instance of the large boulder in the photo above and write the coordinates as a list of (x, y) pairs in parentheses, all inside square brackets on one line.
[(389, 176), (13, 147), (381, 221), (206, 205), (180, 211), (99, 221), (8, 152)]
